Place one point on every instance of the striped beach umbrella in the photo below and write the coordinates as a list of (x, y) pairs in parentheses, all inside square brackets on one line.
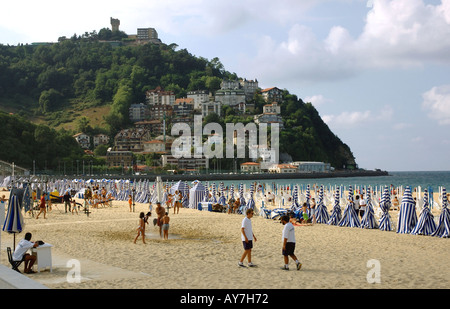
[(295, 207), (443, 226), (206, 196), (322, 215), (368, 220), (231, 195), (425, 225), (336, 214), (251, 201), (407, 217), (385, 223), (213, 198), (350, 217), (222, 200), (14, 220), (241, 194)]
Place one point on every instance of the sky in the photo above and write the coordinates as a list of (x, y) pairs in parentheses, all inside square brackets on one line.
[(377, 71)]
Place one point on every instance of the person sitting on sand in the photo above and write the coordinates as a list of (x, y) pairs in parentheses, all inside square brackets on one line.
[(237, 204), (304, 215)]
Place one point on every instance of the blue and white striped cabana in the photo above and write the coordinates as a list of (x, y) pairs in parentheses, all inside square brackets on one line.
[(336, 214), (350, 217), (368, 220), (322, 215), (385, 223), (196, 195), (407, 217), (443, 226), (425, 225)]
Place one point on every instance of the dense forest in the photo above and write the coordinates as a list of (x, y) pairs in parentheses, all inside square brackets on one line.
[(48, 82)]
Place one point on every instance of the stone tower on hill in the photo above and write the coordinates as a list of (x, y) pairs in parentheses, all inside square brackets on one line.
[(115, 23)]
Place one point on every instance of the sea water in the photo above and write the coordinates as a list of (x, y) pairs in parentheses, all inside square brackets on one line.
[(433, 180)]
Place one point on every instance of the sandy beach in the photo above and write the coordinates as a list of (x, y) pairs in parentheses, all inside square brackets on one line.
[(204, 247)]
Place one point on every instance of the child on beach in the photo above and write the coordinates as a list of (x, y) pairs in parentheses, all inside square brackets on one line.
[(141, 228), (165, 225), (130, 201), (74, 206), (247, 237), (288, 239)]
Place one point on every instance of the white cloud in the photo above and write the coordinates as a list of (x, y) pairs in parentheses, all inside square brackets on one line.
[(397, 33), (436, 102), (347, 119), (317, 100)]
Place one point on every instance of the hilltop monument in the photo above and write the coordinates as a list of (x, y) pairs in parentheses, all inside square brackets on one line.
[(115, 23)]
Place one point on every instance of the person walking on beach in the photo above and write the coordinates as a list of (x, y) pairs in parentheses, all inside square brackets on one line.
[(288, 239), (130, 201), (74, 206), (42, 208), (165, 225), (177, 201), (141, 228), (66, 199), (247, 237)]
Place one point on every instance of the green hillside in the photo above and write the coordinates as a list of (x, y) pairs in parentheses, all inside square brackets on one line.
[(84, 84)]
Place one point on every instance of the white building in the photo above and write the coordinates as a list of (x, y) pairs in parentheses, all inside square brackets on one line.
[(199, 97), (83, 140), (211, 107), (311, 167)]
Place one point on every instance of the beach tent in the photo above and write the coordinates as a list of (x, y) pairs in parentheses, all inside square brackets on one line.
[(425, 225), (336, 215), (443, 226), (206, 196), (385, 223), (350, 217), (321, 214), (368, 220), (14, 220), (196, 195), (180, 186), (407, 217)]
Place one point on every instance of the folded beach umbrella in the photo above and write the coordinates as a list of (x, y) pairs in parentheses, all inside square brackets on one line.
[(443, 226), (336, 215), (231, 195), (185, 198), (322, 215), (350, 217), (222, 200), (213, 198), (385, 223), (295, 207), (251, 201), (206, 196), (425, 225), (14, 220), (407, 217), (241, 194), (368, 220)]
